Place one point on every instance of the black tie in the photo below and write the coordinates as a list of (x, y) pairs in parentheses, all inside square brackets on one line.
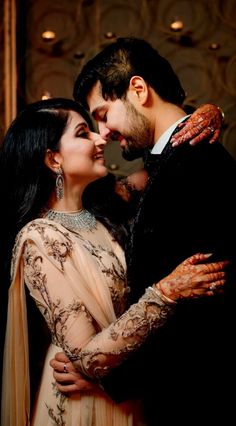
[(150, 160)]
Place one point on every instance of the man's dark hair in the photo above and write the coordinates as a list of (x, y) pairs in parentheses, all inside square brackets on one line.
[(118, 62)]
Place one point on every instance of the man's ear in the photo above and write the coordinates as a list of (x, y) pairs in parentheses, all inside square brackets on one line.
[(52, 160), (138, 89)]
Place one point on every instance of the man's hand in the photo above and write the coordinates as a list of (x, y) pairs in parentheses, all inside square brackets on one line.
[(205, 122), (68, 380)]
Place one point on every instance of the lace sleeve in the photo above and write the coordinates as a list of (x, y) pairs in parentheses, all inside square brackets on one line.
[(110, 347)]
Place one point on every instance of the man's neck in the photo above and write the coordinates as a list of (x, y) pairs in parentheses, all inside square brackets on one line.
[(165, 137), (166, 116)]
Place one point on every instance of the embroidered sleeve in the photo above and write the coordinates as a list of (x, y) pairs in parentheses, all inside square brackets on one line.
[(47, 272), (111, 346)]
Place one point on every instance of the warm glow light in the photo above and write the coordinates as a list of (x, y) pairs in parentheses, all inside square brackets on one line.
[(48, 35), (177, 25), (113, 166), (109, 34), (46, 95), (79, 54), (214, 46)]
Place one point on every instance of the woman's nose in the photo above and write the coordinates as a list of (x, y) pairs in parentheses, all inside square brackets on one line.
[(98, 140)]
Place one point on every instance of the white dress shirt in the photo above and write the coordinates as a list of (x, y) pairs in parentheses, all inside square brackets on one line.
[(164, 138)]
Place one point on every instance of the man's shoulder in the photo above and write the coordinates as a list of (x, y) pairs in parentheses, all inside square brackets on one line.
[(202, 154), (188, 167)]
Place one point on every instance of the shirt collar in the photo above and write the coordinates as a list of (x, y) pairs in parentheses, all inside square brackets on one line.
[(164, 138)]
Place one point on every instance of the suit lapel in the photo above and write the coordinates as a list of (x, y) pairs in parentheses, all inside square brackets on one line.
[(156, 164)]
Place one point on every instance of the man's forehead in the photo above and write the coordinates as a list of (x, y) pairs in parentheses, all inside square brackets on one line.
[(94, 96), (95, 100)]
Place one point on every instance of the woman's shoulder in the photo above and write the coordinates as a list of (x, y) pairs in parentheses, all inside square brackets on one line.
[(50, 238), (42, 230)]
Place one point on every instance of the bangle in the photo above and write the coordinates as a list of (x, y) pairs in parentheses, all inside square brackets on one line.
[(222, 113), (162, 296)]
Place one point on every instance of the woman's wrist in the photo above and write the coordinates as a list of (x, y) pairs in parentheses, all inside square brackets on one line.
[(162, 294)]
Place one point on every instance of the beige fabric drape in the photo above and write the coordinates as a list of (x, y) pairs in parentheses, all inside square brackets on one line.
[(15, 383)]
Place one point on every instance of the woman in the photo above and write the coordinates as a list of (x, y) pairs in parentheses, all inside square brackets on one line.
[(73, 269)]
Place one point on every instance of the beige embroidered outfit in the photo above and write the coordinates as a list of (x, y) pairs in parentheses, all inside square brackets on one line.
[(77, 280)]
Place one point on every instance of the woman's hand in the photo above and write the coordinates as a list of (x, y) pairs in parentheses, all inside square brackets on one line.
[(192, 279), (135, 182), (205, 122), (68, 380)]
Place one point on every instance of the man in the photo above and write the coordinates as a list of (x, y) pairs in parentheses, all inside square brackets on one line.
[(187, 370)]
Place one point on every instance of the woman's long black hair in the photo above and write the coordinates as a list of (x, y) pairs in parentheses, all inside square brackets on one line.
[(25, 181)]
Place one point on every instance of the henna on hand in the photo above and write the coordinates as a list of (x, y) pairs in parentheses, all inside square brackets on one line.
[(192, 279), (133, 183), (205, 123)]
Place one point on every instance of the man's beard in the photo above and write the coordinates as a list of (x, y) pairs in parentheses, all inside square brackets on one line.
[(140, 135)]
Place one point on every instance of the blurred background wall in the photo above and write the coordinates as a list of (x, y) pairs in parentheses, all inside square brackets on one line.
[(55, 38), (1, 67)]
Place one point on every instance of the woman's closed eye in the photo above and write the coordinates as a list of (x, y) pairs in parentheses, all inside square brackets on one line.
[(83, 134)]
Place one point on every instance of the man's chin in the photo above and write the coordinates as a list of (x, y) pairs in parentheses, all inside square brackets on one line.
[(132, 154)]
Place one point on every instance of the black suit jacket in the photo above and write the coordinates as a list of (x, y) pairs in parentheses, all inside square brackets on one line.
[(186, 369)]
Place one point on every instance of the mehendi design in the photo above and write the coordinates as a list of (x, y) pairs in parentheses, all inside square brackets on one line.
[(205, 122)]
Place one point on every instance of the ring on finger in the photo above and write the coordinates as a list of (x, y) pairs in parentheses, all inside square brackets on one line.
[(212, 287), (211, 129), (65, 368)]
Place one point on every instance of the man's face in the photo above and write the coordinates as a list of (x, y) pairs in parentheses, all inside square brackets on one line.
[(120, 120)]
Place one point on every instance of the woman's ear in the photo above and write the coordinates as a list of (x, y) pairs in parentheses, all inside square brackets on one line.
[(52, 160), (138, 89)]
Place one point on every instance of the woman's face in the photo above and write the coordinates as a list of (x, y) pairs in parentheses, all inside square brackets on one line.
[(81, 152)]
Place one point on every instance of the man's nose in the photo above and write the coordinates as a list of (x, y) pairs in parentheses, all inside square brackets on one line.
[(103, 131)]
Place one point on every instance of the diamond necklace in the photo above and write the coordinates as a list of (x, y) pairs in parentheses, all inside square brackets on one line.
[(74, 221)]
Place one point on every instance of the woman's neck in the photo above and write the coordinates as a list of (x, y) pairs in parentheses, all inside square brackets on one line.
[(65, 204)]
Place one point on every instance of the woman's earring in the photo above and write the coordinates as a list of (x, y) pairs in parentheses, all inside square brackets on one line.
[(59, 184)]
